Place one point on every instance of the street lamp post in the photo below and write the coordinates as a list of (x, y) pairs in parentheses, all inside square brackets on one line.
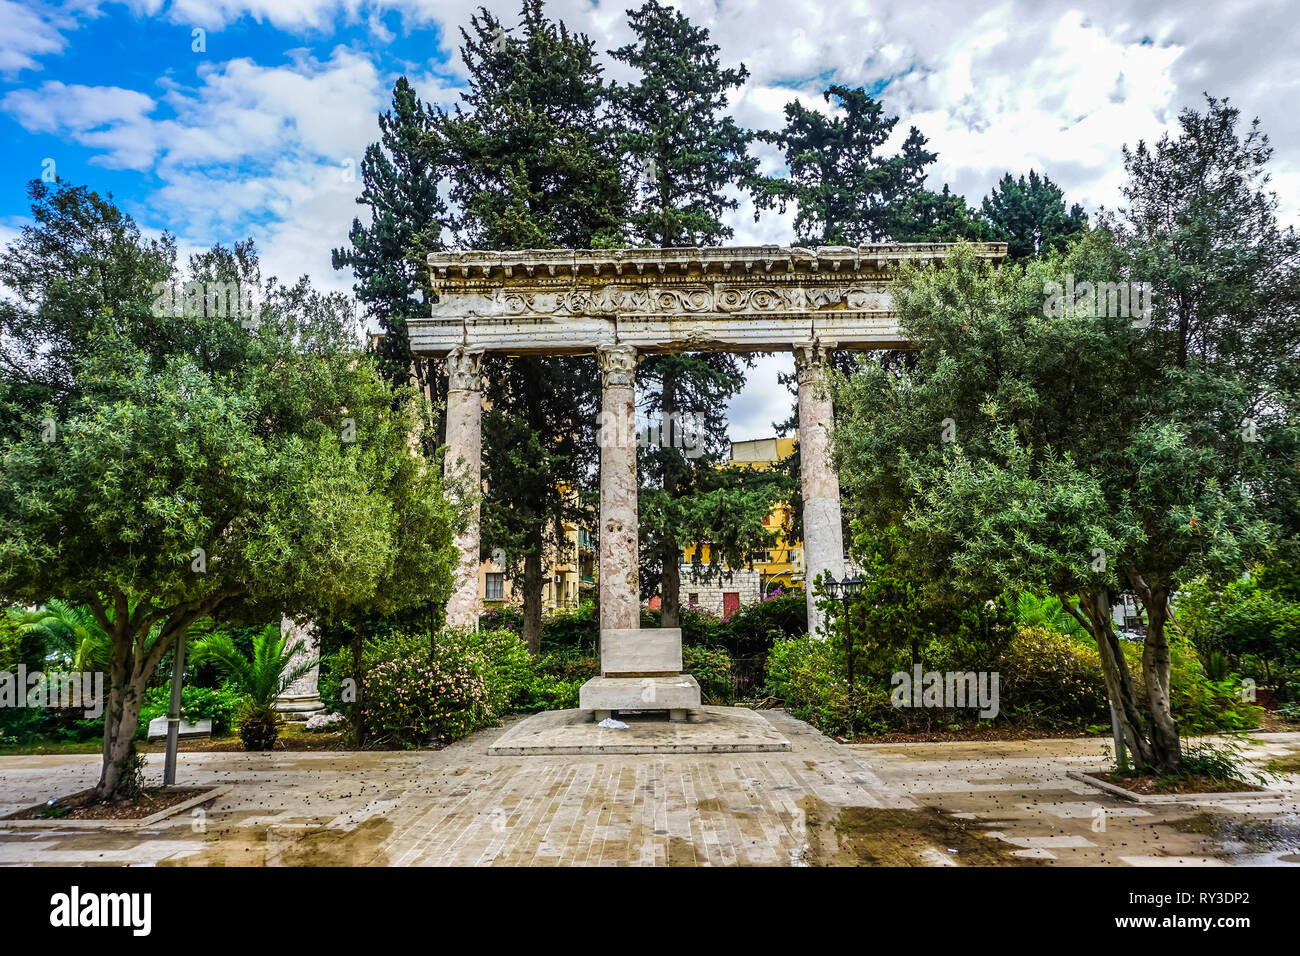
[(845, 591)]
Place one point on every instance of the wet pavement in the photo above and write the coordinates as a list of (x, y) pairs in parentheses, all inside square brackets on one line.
[(947, 804)]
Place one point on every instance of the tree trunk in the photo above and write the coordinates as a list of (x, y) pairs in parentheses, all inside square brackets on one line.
[(121, 719), (358, 722), (1120, 689), (533, 602), (1157, 667), (670, 607)]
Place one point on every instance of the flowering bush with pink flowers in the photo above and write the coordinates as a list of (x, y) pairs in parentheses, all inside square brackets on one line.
[(416, 691)]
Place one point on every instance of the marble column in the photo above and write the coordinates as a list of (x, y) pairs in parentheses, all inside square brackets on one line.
[(301, 699), (823, 535), (464, 469), (620, 597)]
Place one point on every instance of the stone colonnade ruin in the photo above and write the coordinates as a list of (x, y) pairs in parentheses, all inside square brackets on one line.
[(623, 303)]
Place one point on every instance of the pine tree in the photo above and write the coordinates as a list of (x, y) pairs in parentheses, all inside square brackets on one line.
[(847, 191), (676, 132), (533, 163), (1030, 216), (400, 176), (687, 151)]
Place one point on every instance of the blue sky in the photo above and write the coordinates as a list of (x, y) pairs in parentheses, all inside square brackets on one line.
[(259, 133)]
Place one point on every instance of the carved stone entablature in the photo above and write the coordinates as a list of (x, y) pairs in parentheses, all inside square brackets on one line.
[(463, 369), (747, 298)]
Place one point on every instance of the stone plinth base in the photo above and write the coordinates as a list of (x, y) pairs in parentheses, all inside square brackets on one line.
[(295, 709), (716, 730), (679, 694)]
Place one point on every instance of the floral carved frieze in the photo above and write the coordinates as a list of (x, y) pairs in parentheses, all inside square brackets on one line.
[(614, 300)]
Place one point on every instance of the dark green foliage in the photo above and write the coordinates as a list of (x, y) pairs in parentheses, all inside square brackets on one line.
[(532, 161), (673, 122), (842, 185), (1030, 216), (577, 628), (217, 704), (851, 193), (711, 668), (400, 176)]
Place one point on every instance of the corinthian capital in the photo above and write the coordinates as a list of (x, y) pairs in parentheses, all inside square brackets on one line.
[(810, 360), (462, 369), (617, 365)]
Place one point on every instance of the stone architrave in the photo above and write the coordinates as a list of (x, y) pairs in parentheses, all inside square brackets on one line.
[(464, 469), (301, 699), (620, 597), (823, 533)]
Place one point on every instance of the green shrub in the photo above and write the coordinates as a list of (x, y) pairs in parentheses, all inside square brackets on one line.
[(577, 629), (507, 668), (329, 684), (509, 617), (1047, 680), (569, 664), (414, 690), (1205, 706), (711, 668), (807, 675), (547, 692), (197, 703)]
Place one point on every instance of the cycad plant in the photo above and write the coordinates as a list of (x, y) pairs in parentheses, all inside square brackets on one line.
[(261, 678), (1030, 610), (70, 630)]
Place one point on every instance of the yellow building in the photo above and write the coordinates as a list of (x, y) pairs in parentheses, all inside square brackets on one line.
[(569, 572), (778, 565)]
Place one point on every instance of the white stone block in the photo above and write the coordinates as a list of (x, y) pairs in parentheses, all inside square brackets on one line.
[(632, 650), (158, 728)]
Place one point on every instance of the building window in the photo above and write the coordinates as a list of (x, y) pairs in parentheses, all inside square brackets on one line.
[(693, 598), (760, 557), (496, 586)]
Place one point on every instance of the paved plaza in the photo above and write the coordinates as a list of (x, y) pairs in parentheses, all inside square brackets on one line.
[(944, 804)]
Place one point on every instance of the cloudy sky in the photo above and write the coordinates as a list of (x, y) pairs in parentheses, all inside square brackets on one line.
[(259, 131)]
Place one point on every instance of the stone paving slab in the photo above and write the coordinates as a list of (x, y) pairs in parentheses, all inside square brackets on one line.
[(716, 730), (1022, 792), (820, 803)]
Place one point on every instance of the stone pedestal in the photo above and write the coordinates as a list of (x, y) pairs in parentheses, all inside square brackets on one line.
[(620, 597), (464, 469), (301, 699), (823, 533), (640, 670)]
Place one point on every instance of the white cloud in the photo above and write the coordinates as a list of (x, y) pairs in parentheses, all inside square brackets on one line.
[(112, 121), (28, 31), (270, 151)]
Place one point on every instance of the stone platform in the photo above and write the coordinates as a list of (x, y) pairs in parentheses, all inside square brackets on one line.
[(714, 730)]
